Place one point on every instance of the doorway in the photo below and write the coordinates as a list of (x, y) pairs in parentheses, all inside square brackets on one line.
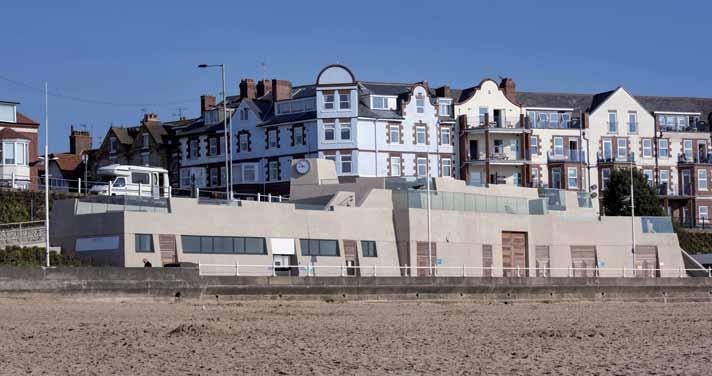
[(514, 254)]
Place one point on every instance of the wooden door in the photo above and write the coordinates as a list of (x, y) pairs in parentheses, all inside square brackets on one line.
[(169, 253), (351, 257), (422, 256), (646, 261), (542, 261), (583, 257), (514, 254), (487, 260)]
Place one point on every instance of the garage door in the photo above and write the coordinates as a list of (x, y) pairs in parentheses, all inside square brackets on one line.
[(646, 261), (583, 261), (514, 254), (422, 255)]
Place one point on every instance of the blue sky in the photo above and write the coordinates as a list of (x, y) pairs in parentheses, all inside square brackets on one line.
[(142, 55)]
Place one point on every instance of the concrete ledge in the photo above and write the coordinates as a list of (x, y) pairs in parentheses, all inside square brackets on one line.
[(184, 282)]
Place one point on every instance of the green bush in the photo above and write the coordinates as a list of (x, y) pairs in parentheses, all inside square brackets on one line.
[(24, 206), (695, 241), (35, 256)]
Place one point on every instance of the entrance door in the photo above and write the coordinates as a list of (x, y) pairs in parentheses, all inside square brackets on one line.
[(514, 254), (422, 256), (351, 256), (474, 150), (686, 183), (646, 261), (556, 178), (583, 261), (169, 253), (498, 118)]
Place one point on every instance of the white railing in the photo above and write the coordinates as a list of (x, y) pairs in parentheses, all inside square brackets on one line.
[(20, 233), (310, 270)]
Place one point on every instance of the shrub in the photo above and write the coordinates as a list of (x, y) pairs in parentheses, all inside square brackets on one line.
[(35, 256)]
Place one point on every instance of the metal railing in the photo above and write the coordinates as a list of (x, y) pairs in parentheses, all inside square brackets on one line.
[(105, 204), (20, 233), (313, 270), (571, 156), (458, 201)]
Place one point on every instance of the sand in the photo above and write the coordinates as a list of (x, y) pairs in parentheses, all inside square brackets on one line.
[(53, 336)]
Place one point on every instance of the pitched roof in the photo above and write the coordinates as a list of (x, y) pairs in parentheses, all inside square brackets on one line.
[(67, 162), (22, 119), (11, 134), (677, 104), (157, 131), (579, 102), (124, 135)]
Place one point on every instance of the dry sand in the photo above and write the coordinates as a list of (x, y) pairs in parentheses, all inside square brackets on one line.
[(133, 337)]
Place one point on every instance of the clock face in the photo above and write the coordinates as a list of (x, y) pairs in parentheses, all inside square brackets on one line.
[(303, 166)]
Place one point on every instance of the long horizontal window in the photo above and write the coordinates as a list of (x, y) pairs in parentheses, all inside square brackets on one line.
[(319, 247), (223, 244)]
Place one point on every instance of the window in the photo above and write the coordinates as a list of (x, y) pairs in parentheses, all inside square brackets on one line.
[(648, 173), (621, 148), (704, 215), (223, 176), (344, 100), (112, 145), (566, 120), (368, 248), (298, 135), (444, 107), (345, 131), (244, 139), (554, 120), (317, 247), (682, 123), (9, 152), (514, 147), (394, 131), (665, 177), (214, 177), (329, 132), (483, 114), (422, 167), (445, 136), (605, 176), (283, 108), (687, 149), (144, 243), (140, 178), (395, 166), (272, 139), (647, 148), (607, 149), (213, 146), (702, 180), (420, 135), (543, 120), (558, 146), (244, 114), (273, 172), (346, 167), (379, 103), (517, 178), (223, 244), (572, 181), (193, 152), (145, 141), (632, 122), (612, 122), (663, 151), (534, 142), (420, 104), (498, 146), (556, 178), (328, 100), (249, 172), (535, 177), (446, 167)]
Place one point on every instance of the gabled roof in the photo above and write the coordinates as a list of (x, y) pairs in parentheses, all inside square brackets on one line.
[(157, 131), (124, 135), (22, 119), (600, 98), (579, 102), (10, 134), (677, 104)]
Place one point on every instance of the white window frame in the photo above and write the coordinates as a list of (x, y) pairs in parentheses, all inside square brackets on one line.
[(609, 153), (445, 136), (298, 135), (394, 129), (605, 177), (244, 141), (632, 115), (420, 130), (621, 147), (663, 151), (244, 171), (482, 114), (570, 176), (420, 104), (273, 170), (446, 167), (396, 161), (345, 104), (558, 146), (345, 127), (705, 215), (444, 107), (212, 146), (332, 128), (647, 148), (649, 177), (194, 146), (424, 165), (685, 149), (382, 99), (330, 101), (701, 180), (612, 122), (273, 142), (346, 160), (534, 145)]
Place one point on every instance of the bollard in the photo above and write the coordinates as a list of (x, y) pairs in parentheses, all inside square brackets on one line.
[(374, 270), (259, 197), (463, 270)]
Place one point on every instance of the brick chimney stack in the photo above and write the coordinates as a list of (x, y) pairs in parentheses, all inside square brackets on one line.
[(509, 88), (79, 141), (248, 88), (150, 117), (263, 87), (443, 92), (281, 90), (206, 102)]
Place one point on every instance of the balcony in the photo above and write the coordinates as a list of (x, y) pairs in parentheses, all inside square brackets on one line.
[(614, 158), (694, 158), (499, 157), (691, 126), (502, 125), (574, 156), (574, 123)]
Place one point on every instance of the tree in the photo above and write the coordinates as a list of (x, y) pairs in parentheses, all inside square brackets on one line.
[(616, 197)]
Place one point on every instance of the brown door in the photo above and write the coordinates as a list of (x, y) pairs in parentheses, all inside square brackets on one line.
[(351, 256), (514, 254), (542, 261), (486, 260), (169, 254), (422, 256), (646, 261), (583, 261)]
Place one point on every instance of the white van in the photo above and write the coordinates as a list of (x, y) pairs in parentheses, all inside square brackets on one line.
[(125, 180)]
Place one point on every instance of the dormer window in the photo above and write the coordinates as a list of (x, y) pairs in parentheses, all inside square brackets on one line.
[(244, 114), (379, 103), (444, 107), (8, 113), (146, 141), (420, 104)]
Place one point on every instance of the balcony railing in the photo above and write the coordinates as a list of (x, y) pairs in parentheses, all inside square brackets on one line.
[(695, 158), (500, 156), (569, 156), (614, 158), (696, 126), (574, 123)]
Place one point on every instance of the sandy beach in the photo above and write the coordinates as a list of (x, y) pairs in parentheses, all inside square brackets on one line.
[(53, 336)]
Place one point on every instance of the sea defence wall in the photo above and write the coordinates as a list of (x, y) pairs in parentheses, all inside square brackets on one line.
[(187, 283)]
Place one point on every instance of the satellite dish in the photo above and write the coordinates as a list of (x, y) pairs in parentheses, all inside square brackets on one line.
[(594, 194), (594, 187)]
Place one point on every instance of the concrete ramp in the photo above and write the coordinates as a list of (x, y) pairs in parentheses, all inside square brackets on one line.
[(692, 265)]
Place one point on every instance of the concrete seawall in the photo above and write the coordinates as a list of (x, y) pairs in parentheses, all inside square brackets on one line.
[(186, 283)]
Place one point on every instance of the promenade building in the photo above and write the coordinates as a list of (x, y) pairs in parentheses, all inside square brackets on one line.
[(18, 147)]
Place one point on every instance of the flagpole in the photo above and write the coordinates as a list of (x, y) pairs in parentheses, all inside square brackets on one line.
[(46, 174)]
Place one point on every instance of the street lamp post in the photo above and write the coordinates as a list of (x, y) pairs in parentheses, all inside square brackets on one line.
[(46, 177), (632, 212), (228, 133)]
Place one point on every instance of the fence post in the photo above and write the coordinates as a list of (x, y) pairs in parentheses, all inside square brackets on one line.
[(407, 271), (269, 197), (463, 270), (259, 197), (374, 270), (237, 269)]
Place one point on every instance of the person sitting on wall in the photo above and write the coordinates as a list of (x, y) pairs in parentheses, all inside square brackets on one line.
[(146, 263)]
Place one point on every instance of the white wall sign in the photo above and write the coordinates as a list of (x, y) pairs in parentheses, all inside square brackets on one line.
[(281, 246)]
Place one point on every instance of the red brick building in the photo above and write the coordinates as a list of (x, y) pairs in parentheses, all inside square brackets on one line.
[(18, 147)]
